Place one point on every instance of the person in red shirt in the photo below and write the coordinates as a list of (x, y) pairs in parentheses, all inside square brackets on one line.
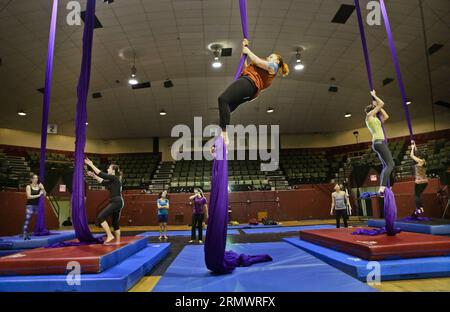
[(255, 77)]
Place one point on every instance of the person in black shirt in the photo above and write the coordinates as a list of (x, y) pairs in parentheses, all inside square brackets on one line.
[(34, 192), (113, 182)]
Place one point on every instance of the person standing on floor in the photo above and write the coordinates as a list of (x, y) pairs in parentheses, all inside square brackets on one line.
[(163, 213), (339, 202), (198, 214), (421, 180)]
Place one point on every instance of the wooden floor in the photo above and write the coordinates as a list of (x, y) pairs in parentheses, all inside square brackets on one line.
[(96, 229), (417, 285)]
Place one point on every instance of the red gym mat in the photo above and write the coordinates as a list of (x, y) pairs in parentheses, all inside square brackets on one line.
[(92, 258), (380, 247)]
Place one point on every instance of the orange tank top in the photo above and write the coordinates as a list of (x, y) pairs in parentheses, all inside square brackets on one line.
[(260, 77)]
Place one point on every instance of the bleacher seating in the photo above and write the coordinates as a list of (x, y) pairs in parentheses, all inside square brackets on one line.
[(14, 170), (297, 166), (137, 168), (303, 167)]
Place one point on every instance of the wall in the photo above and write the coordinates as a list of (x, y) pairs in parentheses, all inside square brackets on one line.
[(12, 214), (67, 143), (307, 202), (393, 129)]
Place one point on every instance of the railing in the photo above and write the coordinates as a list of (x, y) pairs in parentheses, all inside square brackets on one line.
[(54, 204)]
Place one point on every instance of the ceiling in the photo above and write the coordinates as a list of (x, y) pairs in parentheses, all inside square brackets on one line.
[(171, 38)]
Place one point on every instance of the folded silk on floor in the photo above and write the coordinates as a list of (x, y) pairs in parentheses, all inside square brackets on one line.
[(216, 259)]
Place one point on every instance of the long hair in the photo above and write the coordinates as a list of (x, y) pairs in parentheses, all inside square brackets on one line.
[(117, 171), (32, 175), (200, 191), (160, 195), (282, 65)]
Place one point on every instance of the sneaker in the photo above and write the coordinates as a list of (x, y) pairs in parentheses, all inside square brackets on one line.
[(26, 236), (160, 237), (165, 237), (200, 242), (191, 241)]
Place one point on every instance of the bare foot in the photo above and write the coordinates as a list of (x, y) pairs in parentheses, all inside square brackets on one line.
[(200, 242), (109, 239), (160, 237)]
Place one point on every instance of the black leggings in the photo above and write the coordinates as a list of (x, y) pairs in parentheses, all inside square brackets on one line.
[(197, 223), (385, 156), (418, 190), (240, 91), (113, 209), (341, 213)]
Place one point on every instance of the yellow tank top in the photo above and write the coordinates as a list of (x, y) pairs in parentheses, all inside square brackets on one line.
[(375, 128)]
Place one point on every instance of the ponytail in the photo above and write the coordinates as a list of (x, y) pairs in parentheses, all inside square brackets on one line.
[(117, 171), (282, 66), (284, 70)]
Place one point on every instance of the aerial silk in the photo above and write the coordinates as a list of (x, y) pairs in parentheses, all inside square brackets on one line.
[(217, 259), (79, 217), (243, 10), (415, 219), (39, 228), (390, 208)]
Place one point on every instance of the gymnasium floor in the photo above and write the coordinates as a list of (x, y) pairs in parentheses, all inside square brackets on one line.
[(147, 283)]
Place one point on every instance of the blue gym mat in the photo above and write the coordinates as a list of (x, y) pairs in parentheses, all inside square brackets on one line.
[(180, 233), (17, 242), (253, 226), (292, 269), (285, 229), (119, 255), (434, 227), (119, 278), (389, 269)]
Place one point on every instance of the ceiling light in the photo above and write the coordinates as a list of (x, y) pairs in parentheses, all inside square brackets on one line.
[(133, 79), (21, 113), (348, 115), (408, 102), (163, 113), (216, 62), (270, 110), (298, 63), (87, 123)]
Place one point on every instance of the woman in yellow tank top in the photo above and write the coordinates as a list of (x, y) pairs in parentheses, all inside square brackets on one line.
[(379, 144)]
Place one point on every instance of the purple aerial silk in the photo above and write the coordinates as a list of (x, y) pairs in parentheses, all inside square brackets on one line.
[(397, 67), (415, 219), (390, 208), (79, 217), (40, 228), (243, 10), (216, 259)]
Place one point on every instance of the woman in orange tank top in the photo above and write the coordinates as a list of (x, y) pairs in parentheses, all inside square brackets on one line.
[(256, 76)]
